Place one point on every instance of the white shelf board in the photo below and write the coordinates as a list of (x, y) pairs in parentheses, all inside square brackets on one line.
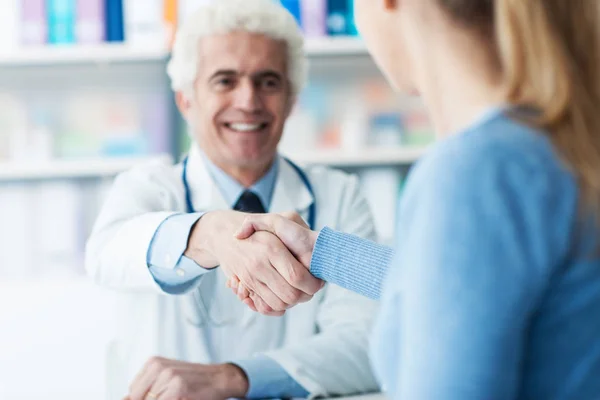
[(121, 53), (358, 158), (81, 54), (335, 46), (62, 169)]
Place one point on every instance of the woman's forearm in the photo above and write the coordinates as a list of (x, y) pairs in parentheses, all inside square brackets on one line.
[(353, 263)]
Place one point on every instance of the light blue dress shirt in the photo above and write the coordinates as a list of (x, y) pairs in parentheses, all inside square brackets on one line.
[(494, 289), (176, 273)]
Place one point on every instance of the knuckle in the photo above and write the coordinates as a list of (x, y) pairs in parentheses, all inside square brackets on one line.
[(154, 363), (169, 373), (296, 296), (178, 384)]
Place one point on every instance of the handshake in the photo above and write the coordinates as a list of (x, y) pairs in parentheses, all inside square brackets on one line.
[(266, 257)]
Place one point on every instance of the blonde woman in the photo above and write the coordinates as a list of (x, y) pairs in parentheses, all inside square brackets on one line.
[(494, 288)]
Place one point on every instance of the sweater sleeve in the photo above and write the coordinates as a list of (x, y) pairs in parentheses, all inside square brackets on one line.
[(348, 261)]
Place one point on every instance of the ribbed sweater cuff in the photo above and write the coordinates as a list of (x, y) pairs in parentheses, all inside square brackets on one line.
[(348, 261)]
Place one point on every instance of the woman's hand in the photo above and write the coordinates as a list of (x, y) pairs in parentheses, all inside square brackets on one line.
[(293, 233)]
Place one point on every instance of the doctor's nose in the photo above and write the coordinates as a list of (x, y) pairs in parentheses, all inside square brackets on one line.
[(247, 98)]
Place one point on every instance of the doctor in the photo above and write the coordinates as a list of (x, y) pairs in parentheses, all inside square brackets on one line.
[(236, 68)]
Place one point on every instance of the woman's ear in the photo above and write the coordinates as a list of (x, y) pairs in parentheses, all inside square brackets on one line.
[(390, 4)]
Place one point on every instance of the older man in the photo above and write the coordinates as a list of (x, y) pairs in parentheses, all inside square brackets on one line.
[(162, 240)]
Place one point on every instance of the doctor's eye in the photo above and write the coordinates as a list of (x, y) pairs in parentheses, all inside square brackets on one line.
[(269, 83), (223, 83)]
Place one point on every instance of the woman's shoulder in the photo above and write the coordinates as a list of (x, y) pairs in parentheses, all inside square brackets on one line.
[(499, 147)]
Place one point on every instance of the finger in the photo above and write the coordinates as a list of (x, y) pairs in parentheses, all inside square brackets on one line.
[(271, 292), (242, 292), (304, 284), (263, 307), (160, 385), (246, 230), (144, 380), (294, 217), (234, 282), (250, 303)]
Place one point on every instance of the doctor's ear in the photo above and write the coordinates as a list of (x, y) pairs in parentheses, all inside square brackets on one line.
[(291, 102), (183, 104)]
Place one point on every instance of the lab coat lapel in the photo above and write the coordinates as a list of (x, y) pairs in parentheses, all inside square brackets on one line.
[(206, 196), (290, 194)]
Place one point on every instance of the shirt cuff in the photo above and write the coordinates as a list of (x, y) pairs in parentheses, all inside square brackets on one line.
[(174, 272), (267, 380)]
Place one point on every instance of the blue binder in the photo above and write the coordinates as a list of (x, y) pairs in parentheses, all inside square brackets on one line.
[(114, 21), (61, 21), (293, 6)]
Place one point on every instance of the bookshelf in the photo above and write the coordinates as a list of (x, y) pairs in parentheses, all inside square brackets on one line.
[(107, 167), (360, 158), (72, 169), (122, 53)]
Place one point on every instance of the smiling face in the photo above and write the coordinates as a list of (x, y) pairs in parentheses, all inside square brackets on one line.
[(241, 99)]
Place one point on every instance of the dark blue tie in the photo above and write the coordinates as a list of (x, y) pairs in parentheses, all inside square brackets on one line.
[(250, 203)]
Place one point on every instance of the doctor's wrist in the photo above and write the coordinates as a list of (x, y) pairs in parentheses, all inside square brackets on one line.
[(233, 381), (200, 246), (212, 235)]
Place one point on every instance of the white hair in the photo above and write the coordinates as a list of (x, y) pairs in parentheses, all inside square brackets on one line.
[(266, 17)]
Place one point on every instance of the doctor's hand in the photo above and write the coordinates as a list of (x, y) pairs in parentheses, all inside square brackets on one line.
[(293, 232), (164, 379), (261, 262)]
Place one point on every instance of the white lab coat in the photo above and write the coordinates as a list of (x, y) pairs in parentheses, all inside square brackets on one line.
[(322, 344)]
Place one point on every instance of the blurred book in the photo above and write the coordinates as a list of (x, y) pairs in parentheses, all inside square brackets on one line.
[(170, 20), (293, 6), (90, 27), (34, 26), (337, 17), (61, 21), (313, 15), (188, 7), (9, 26), (113, 13), (144, 23)]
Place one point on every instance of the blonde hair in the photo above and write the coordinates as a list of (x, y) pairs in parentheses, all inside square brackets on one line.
[(549, 52)]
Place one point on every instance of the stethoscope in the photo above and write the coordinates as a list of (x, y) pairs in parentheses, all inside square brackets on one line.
[(199, 300)]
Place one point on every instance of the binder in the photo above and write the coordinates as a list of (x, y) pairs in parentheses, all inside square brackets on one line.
[(90, 27), (61, 21), (113, 13), (34, 28)]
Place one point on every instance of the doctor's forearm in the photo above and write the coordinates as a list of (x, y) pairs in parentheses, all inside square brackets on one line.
[(353, 263)]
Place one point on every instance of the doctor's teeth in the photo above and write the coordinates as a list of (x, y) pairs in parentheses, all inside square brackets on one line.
[(245, 127)]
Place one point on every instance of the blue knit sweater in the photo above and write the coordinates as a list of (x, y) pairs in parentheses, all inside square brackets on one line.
[(494, 289)]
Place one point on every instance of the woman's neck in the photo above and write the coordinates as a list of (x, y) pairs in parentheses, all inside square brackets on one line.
[(459, 84)]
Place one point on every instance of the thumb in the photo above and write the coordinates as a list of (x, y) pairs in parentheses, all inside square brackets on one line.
[(256, 223), (246, 230), (294, 217)]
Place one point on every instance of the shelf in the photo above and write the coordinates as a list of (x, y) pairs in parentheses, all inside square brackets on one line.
[(335, 46), (103, 167), (82, 54), (122, 53), (361, 158)]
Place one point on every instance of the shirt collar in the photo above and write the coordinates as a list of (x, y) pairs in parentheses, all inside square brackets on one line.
[(232, 189)]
